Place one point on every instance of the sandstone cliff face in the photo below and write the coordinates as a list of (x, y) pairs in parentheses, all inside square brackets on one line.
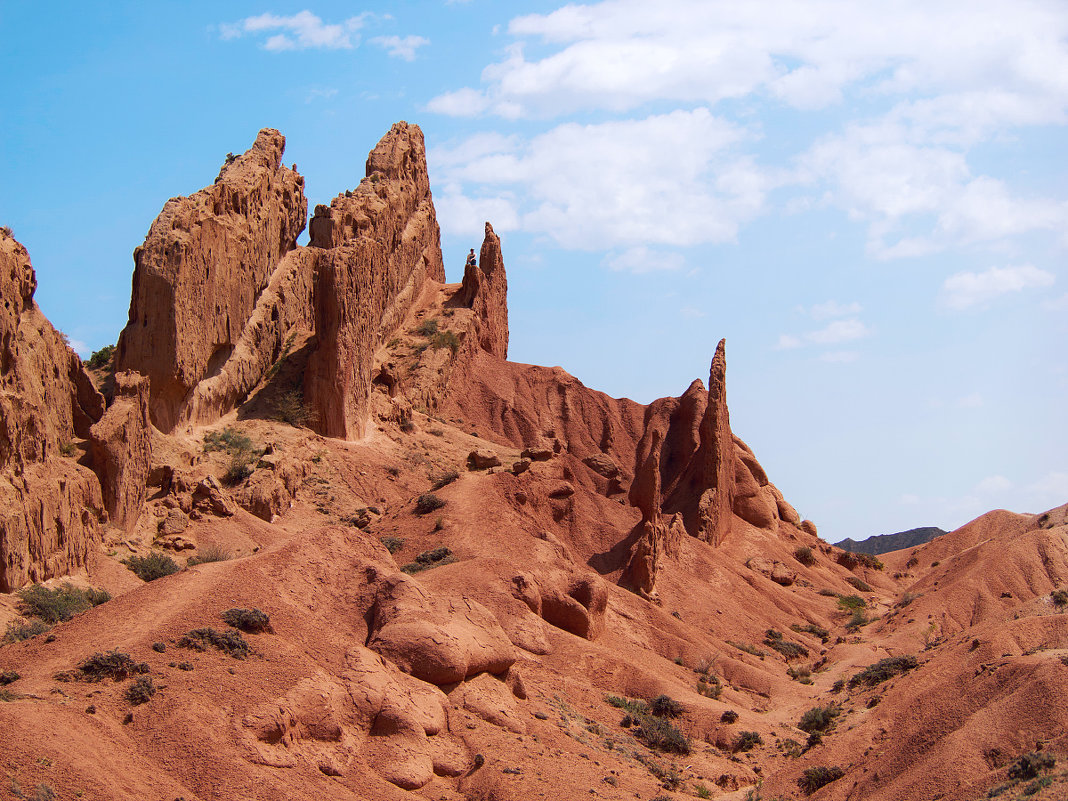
[(122, 450), (198, 275), (379, 245), (51, 506), (485, 290)]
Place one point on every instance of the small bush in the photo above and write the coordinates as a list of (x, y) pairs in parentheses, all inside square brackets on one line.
[(100, 358), (861, 585), (883, 670), (851, 602), (110, 665), (791, 650), (229, 642), (159, 647), (730, 716), (153, 566), (701, 791), (815, 778), (857, 619), (802, 674), (749, 649), (427, 328), (819, 718), (445, 339), (828, 593), (747, 741), (1030, 765), (445, 479), (869, 561), (289, 408), (7, 677), (393, 544), (813, 629), (1059, 597), (634, 707), (68, 449), (19, 630), (428, 502), (659, 734), (838, 686), (804, 556), (140, 691), (709, 686), (243, 453), (208, 554), (251, 621), (286, 348), (428, 559), (664, 706), (62, 603)]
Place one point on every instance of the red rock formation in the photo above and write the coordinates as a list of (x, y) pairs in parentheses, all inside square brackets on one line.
[(51, 506), (201, 269), (122, 450), (485, 290), (380, 244)]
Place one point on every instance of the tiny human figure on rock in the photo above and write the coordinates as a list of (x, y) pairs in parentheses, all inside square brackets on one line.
[(471, 258)]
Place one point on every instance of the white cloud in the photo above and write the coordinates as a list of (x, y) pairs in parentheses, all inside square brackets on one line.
[(993, 485), (461, 103), (300, 31), (401, 47), (964, 290), (643, 260), (839, 331), (670, 179), (1051, 489)]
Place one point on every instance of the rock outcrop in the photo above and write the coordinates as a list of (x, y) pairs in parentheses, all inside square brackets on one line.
[(485, 291), (198, 275), (51, 505), (380, 243), (122, 450)]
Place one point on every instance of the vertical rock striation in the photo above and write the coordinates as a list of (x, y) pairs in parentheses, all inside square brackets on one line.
[(198, 275), (122, 450), (50, 506)]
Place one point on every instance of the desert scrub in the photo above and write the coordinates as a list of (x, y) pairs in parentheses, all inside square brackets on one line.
[(140, 691), (815, 778), (818, 719), (19, 630), (883, 670), (100, 358), (445, 339), (851, 602), (801, 674), (791, 650), (635, 707), (804, 556), (861, 585), (229, 642), (428, 502), (110, 665), (444, 480), (747, 741), (250, 621), (427, 328), (709, 685), (62, 603), (153, 566), (7, 677), (282, 356), (729, 717), (289, 408), (749, 649), (813, 629), (243, 453), (857, 620), (1059, 597), (392, 544), (657, 733), (428, 559), (664, 706), (1030, 765), (208, 554)]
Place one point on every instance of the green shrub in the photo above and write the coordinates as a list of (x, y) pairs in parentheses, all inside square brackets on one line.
[(851, 602), (659, 734), (289, 408), (229, 642), (729, 716), (791, 650), (101, 358), (800, 674), (1059, 597), (68, 449), (445, 339), (857, 619), (749, 649), (428, 502), (208, 554), (427, 328), (635, 707), (428, 559), (813, 629), (819, 718), (815, 778), (286, 347), (861, 585), (19, 630), (62, 603), (7, 677), (747, 741), (869, 561), (393, 544), (1030, 765), (243, 453), (140, 691), (251, 621), (701, 791), (153, 566), (709, 686), (445, 479), (664, 706), (804, 556), (110, 665), (883, 670)]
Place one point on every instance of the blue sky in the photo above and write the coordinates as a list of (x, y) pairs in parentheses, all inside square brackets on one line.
[(868, 200)]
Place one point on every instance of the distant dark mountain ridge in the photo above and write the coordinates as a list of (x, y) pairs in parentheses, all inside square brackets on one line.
[(884, 543)]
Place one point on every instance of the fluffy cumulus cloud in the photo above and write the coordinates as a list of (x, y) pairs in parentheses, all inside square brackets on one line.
[(844, 326), (965, 290), (894, 98), (403, 47), (299, 31), (671, 179)]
